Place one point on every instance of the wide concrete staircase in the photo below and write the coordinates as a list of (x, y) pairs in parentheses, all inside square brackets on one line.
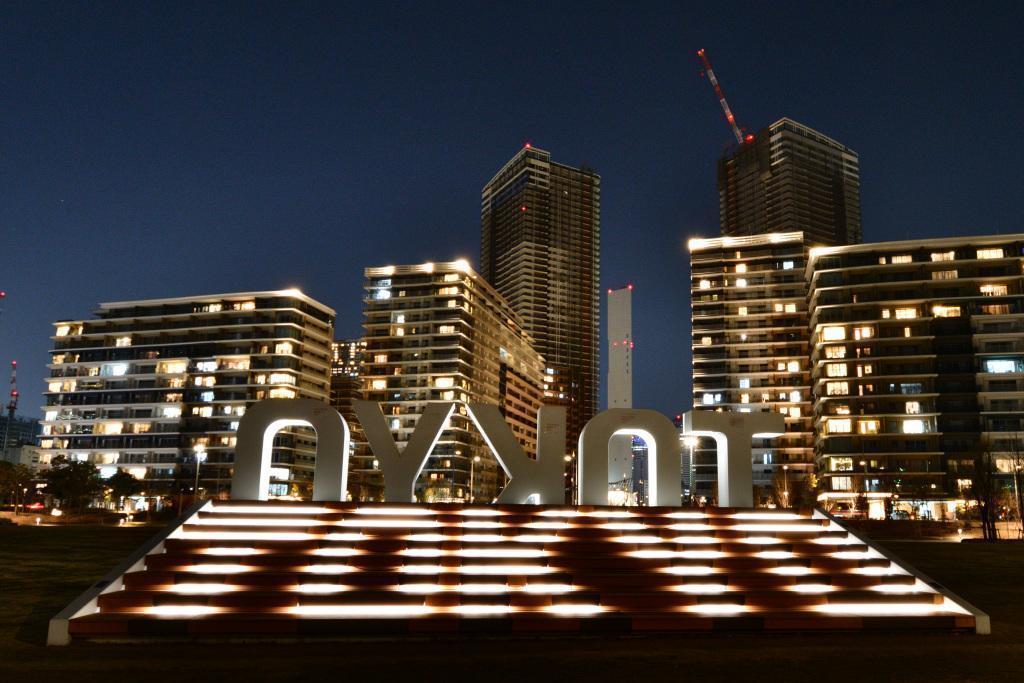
[(283, 570)]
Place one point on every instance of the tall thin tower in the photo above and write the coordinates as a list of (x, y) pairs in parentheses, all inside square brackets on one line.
[(620, 378), (540, 248)]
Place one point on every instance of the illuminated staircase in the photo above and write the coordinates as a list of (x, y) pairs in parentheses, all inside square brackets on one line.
[(237, 569)]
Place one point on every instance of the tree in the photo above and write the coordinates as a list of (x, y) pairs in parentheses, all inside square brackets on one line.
[(73, 482), (983, 488), (14, 480), (121, 485)]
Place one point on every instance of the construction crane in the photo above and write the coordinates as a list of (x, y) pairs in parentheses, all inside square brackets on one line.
[(709, 72), (12, 405)]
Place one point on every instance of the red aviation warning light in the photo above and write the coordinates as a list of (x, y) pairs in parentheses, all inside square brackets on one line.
[(709, 72)]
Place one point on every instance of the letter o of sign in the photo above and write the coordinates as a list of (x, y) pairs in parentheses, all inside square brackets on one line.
[(256, 431)]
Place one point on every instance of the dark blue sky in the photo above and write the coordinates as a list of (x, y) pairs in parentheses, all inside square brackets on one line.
[(155, 150)]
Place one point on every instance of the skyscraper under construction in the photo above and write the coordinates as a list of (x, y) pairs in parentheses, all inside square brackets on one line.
[(791, 178)]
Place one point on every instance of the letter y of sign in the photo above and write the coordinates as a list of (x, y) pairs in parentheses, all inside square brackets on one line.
[(402, 469)]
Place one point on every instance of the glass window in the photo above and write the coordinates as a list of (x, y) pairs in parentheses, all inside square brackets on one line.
[(833, 333), (944, 256), (913, 426), (839, 425), (990, 253), (902, 258), (837, 388), (836, 370), (835, 352)]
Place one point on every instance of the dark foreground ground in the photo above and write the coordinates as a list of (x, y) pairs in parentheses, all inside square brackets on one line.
[(43, 568)]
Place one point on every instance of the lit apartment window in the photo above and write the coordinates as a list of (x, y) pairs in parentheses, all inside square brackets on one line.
[(203, 411), (945, 275), (906, 313), (778, 308), (444, 382), (994, 290), (913, 426), (839, 426), (711, 399), (865, 369), (398, 331), (903, 258), (451, 277), (705, 341), (790, 308), (448, 395), (379, 384), (1000, 366), (282, 378), (63, 330), (835, 352), (206, 366), (123, 341), (940, 311), (744, 398), (283, 348), (833, 333), (446, 329), (282, 393), (913, 407), (881, 260), (705, 284), (886, 314), (741, 282), (990, 253), (837, 388), (744, 382), (867, 426), (244, 306), (794, 411), (863, 332), (907, 332), (944, 256), (170, 411), (787, 265), (836, 370), (174, 367), (380, 358), (448, 291), (794, 396), (842, 483), (842, 409), (206, 396), (793, 366), (742, 310), (841, 464), (741, 267)]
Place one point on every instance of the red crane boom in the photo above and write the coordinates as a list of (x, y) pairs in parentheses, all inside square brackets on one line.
[(736, 130)]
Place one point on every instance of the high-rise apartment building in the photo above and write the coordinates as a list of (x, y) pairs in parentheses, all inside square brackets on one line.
[(440, 332), (750, 352), (918, 360), (540, 248), (347, 357), (791, 178), (152, 386)]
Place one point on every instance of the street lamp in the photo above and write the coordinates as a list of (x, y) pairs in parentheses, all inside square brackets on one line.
[(472, 474), (785, 491), (200, 452)]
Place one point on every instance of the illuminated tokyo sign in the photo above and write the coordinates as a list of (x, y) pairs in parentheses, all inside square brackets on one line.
[(537, 480)]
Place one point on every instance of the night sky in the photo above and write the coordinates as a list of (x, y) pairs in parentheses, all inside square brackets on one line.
[(156, 150)]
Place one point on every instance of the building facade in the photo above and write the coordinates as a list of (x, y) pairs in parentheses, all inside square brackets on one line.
[(918, 360), (540, 249), (750, 353), (153, 386), (791, 178), (347, 356), (439, 332)]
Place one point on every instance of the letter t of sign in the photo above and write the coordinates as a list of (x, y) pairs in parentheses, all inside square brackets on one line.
[(401, 470)]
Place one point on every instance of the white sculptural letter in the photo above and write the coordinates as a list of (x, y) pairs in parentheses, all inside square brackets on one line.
[(663, 454), (255, 445), (540, 481), (401, 470), (732, 433)]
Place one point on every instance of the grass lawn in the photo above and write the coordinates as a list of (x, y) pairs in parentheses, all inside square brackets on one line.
[(43, 568)]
